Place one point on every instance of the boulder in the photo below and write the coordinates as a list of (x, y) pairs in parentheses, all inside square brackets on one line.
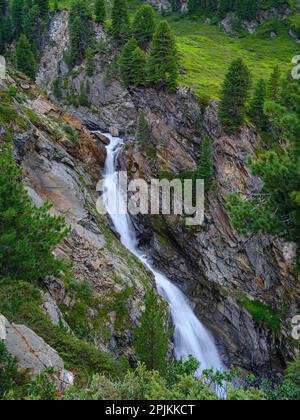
[(33, 353)]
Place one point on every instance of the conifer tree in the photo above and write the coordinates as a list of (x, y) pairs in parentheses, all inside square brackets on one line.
[(144, 25), (17, 16), (28, 235), (25, 60), (273, 89), (235, 93), (132, 64), (43, 6), (151, 337), (276, 211), (206, 166), (3, 8), (100, 11), (120, 20), (80, 30), (163, 59), (143, 133), (257, 105), (89, 55)]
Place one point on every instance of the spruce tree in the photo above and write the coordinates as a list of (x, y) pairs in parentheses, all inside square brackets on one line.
[(273, 89), (3, 8), (132, 64), (151, 338), (206, 166), (276, 211), (28, 235), (163, 59), (100, 11), (89, 56), (43, 6), (25, 60), (144, 25), (17, 16), (257, 106), (120, 20), (235, 93), (80, 30), (143, 133)]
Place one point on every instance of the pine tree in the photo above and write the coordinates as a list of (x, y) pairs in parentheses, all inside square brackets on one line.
[(3, 8), (100, 11), (273, 90), (120, 20), (17, 16), (89, 56), (257, 105), (151, 337), (276, 211), (206, 166), (43, 6), (236, 90), (25, 60), (144, 25), (132, 64), (163, 59), (80, 30), (143, 133), (28, 235)]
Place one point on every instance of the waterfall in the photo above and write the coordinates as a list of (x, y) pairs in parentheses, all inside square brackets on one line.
[(190, 336)]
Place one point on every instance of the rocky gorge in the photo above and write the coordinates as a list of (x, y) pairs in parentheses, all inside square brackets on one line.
[(219, 270)]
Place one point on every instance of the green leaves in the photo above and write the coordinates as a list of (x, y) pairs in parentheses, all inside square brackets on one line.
[(276, 210), (152, 337), (162, 65), (28, 234), (236, 90)]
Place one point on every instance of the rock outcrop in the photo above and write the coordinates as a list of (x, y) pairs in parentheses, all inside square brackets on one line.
[(218, 269), (65, 172), (33, 354)]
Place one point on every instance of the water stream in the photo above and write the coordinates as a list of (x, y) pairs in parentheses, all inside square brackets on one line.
[(190, 335)]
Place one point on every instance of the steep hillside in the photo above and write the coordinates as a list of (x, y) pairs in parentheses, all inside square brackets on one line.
[(102, 320)]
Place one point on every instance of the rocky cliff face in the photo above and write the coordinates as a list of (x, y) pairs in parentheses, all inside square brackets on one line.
[(219, 270), (62, 163), (227, 277)]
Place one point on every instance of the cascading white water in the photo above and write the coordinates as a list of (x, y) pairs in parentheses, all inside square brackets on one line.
[(190, 336)]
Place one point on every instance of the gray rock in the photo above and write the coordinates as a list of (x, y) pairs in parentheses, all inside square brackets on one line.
[(33, 353)]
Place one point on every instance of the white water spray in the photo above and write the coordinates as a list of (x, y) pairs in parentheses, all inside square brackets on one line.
[(190, 336)]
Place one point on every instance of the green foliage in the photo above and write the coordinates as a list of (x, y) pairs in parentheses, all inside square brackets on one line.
[(151, 338), (143, 133), (25, 60), (276, 210), (262, 314), (144, 25), (21, 303), (206, 166), (89, 56), (236, 90), (28, 235), (71, 132), (290, 389), (80, 30), (163, 59), (257, 106), (132, 64), (11, 380), (273, 88), (120, 20), (142, 384), (100, 11)]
